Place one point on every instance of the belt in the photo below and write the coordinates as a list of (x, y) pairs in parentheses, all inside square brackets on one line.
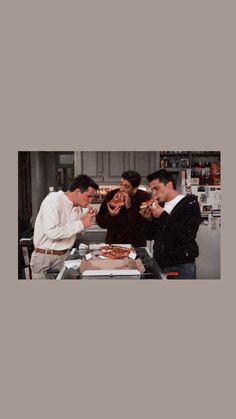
[(50, 251)]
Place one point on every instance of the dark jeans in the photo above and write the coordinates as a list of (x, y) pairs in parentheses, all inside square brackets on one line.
[(186, 270)]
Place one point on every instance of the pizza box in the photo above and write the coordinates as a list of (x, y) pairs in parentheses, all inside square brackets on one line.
[(111, 267)]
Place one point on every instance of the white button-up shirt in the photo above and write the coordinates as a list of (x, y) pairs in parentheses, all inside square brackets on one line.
[(57, 223)]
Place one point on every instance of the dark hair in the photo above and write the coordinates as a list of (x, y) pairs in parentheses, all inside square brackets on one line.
[(163, 176), (133, 177), (83, 182)]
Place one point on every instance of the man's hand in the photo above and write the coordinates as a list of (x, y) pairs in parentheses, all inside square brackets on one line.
[(92, 210), (88, 219), (146, 213), (113, 211), (157, 211), (127, 201)]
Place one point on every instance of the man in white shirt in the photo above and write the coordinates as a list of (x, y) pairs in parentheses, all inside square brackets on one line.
[(173, 225), (58, 222)]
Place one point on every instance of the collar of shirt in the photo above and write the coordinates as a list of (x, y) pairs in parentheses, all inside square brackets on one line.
[(66, 199), (168, 207)]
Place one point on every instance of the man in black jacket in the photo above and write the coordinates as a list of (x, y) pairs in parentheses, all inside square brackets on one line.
[(173, 226), (124, 224)]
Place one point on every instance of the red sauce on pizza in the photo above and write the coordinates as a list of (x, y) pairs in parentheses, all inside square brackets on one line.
[(118, 199), (114, 252)]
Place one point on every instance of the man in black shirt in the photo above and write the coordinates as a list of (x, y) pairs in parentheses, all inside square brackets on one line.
[(173, 226), (123, 222)]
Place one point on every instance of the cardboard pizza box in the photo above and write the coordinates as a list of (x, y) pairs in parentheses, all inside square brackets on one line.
[(111, 267)]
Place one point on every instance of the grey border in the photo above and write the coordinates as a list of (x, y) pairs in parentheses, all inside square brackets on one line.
[(117, 75)]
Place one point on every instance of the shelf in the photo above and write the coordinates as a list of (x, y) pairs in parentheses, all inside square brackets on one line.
[(205, 153), (174, 169), (188, 153), (208, 186), (188, 159), (175, 154)]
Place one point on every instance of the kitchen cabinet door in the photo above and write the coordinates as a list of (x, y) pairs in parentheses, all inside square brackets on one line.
[(114, 163), (144, 162), (107, 166), (89, 163)]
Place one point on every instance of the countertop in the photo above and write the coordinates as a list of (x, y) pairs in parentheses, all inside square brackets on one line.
[(95, 228)]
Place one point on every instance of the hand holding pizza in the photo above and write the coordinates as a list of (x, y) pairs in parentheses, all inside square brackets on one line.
[(127, 201), (113, 211), (157, 211), (146, 213), (146, 208), (118, 199)]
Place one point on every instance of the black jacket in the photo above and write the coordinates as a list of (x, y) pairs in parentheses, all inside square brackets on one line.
[(174, 234), (129, 225)]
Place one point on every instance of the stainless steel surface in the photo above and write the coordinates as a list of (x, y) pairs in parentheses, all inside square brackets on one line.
[(152, 269)]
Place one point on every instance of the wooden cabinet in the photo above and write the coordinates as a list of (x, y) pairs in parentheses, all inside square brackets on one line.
[(114, 163), (107, 166), (102, 166), (144, 162), (89, 163)]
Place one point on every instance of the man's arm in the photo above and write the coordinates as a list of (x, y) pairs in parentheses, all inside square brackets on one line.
[(54, 230), (186, 226), (104, 219)]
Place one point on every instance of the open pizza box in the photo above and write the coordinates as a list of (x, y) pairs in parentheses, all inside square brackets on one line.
[(111, 267), (97, 246), (97, 265)]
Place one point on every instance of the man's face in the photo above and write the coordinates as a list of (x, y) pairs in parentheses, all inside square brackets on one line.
[(83, 199), (159, 190), (125, 186)]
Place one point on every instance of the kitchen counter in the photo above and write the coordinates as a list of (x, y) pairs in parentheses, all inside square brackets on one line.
[(95, 227), (95, 234), (152, 269)]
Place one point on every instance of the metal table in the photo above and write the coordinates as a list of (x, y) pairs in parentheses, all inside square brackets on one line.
[(152, 269)]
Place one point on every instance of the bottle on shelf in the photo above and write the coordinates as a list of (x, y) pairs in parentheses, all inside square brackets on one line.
[(205, 168), (208, 179), (215, 172)]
